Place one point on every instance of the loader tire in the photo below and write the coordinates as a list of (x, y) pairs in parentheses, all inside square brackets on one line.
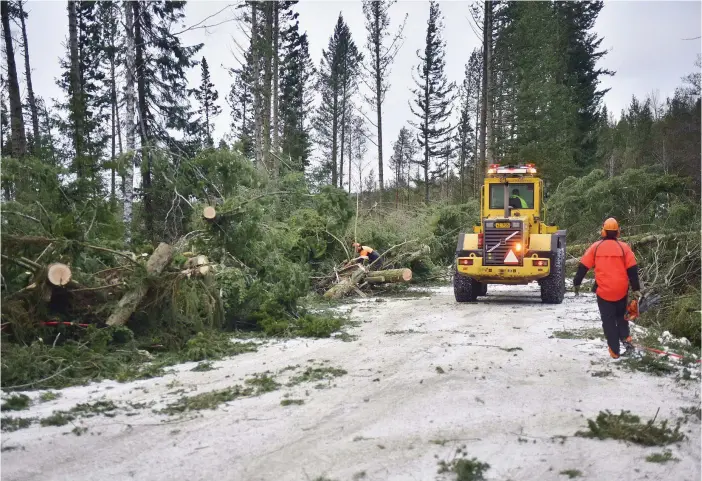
[(553, 287), (465, 289)]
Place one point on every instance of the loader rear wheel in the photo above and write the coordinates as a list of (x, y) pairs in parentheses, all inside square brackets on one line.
[(465, 289), (553, 287)]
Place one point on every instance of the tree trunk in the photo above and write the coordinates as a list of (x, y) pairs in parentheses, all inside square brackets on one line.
[(257, 111), (335, 133), (129, 98), (142, 110), (159, 260), (343, 136), (28, 75), (378, 102), (18, 136), (276, 34), (391, 275), (267, 79), (477, 164), (76, 89), (114, 107), (346, 285), (484, 99), (489, 87)]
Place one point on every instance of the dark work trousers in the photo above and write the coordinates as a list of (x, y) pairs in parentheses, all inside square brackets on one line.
[(613, 323)]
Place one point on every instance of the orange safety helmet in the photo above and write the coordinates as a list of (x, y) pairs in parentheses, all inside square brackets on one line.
[(610, 224)]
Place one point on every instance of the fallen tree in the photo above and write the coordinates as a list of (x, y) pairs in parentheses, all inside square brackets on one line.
[(162, 256)]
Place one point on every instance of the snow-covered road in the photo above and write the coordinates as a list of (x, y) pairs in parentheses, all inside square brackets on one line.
[(424, 376)]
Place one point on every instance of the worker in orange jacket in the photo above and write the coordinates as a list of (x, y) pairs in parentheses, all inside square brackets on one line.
[(615, 268), (366, 254)]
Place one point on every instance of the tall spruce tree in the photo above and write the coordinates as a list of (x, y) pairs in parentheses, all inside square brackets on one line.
[(336, 82), (433, 95), (582, 75), (297, 74), (207, 97), (382, 50), (240, 100)]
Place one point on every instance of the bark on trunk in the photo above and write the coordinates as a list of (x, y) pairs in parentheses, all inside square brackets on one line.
[(335, 133), (129, 98), (276, 33), (142, 110), (489, 137), (76, 90), (159, 260), (257, 111), (347, 285), (379, 104), (18, 136), (28, 76), (267, 78), (484, 99), (390, 275)]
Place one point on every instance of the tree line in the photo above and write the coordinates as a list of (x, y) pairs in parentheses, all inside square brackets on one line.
[(130, 122)]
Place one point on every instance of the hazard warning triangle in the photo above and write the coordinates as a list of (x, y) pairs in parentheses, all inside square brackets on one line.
[(511, 258)]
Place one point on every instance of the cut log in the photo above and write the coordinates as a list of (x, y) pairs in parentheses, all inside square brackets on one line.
[(59, 274), (346, 285), (162, 256), (198, 266), (209, 212), (392, 275)]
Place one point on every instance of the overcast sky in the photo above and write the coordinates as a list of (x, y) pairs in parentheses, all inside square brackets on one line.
[(645, 40)]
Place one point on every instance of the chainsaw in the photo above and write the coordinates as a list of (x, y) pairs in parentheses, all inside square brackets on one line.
[(637, 307)]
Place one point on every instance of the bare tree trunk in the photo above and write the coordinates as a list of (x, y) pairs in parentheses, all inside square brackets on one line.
[(335, 134), (379, 105), (142, 110), (76, 89), (255, 48), (129, 98), (484, 98), (267, 79), (276, 34), (351, 140), (18, 136), (113, 100), (343, 139), (477, 163), (28, 77), (489, 87)]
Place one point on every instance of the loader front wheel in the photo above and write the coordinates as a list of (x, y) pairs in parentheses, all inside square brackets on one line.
[(465, 289), (553, 287)]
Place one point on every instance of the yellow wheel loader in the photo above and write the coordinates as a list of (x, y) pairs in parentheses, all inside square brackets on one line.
[(513, 244)]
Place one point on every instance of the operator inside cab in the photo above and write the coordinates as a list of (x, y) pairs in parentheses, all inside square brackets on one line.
[(516, 201)]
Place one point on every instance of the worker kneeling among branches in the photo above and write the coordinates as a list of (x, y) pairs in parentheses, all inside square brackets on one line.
[(366, 255), (615, 268)]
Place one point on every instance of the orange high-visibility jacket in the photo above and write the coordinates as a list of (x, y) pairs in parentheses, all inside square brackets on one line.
[(365, 251), (614, 264)]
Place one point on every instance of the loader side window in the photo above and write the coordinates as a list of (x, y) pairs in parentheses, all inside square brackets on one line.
[(524, 192)]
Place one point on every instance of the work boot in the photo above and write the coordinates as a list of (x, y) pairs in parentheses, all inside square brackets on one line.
[(615, 357)]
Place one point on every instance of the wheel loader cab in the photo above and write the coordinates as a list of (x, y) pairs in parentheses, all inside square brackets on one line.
[(512, 244)]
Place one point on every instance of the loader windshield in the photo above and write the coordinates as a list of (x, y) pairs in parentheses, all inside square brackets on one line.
[(521, 196)]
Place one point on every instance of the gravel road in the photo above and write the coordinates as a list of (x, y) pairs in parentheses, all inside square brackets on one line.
[(424, 377)]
